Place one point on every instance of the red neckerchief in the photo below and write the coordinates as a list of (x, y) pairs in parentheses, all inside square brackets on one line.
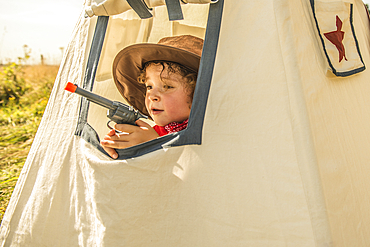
[(170, 128)]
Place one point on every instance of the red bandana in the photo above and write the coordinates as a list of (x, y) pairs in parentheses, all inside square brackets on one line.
[(170, 128)]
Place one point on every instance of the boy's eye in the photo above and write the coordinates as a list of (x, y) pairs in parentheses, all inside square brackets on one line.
[(167, 87), (148, 87)]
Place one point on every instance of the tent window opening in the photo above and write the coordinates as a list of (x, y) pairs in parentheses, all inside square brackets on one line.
[(192, 135)]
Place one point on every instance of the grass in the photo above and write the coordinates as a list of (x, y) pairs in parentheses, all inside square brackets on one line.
[(20, 115)]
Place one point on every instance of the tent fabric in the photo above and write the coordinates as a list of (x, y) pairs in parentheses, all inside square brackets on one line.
[(284, 153)]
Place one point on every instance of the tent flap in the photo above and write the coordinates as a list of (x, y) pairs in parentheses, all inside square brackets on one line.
[(336, 33)]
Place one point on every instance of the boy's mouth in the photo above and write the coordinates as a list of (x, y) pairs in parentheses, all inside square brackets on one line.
[(156, 111)]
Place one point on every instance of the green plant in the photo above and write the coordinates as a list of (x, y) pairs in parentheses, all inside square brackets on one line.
[(12, 84)]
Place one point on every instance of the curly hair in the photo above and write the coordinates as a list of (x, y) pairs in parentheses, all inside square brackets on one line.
[(189, 75)]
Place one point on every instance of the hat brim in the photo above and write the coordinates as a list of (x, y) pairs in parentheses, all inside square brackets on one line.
[(129, 62)]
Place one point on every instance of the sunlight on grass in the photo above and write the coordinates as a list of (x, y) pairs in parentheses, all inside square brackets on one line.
[(20, 114)]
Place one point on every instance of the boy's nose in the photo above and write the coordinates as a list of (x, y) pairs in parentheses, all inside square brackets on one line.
[(154, 96)]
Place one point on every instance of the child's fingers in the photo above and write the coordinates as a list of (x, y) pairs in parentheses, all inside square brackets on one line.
[(131, 135), (116, 137), (128, 128), (112, 132), (111, 151), (116, 144)]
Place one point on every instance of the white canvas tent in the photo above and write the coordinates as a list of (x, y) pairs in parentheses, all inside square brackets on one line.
[(276, 152)]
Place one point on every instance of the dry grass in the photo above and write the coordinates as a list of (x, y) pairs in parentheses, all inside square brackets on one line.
[(18, 125)]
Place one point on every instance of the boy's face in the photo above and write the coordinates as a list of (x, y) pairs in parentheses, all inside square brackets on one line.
[(166, 98)]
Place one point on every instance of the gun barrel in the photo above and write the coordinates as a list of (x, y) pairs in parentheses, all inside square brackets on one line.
[(97, 99)]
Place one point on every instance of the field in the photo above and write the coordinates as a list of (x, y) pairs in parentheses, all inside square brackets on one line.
[(24, 92)]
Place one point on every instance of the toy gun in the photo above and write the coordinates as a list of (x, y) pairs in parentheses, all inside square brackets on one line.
[(117, 111)]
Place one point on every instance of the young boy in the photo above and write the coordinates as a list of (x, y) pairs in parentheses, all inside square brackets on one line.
[(158, 80)]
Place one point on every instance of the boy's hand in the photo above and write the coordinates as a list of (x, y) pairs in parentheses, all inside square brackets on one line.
[(132, 136)]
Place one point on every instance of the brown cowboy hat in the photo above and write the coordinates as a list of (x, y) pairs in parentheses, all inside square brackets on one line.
[(185, 50)]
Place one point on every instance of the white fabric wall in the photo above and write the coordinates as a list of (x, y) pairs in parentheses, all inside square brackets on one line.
[(284, 158)]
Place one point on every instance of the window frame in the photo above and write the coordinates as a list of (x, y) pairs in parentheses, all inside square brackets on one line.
[(192, 135)]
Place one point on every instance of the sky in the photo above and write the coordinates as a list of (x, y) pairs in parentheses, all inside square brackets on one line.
[(44, 26)]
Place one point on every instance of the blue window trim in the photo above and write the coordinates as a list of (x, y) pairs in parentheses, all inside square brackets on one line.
[(190, 136)]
